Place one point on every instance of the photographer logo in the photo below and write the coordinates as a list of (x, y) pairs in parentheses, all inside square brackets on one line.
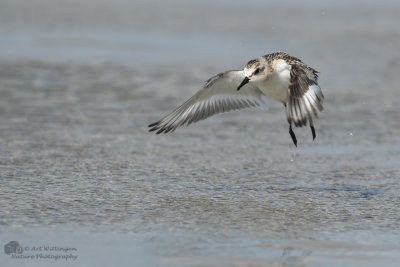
[(13, 247), (40, 252)]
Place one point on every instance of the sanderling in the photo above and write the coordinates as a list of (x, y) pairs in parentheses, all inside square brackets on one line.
[(279, 76)]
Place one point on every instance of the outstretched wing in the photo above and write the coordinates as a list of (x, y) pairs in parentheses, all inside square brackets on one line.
[(305, 96), (219, 94)]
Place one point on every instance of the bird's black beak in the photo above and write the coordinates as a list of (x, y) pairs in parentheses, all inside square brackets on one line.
[(245, 80)]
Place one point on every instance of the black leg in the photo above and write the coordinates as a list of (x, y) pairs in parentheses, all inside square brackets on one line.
[(313, 132), (292, 135)]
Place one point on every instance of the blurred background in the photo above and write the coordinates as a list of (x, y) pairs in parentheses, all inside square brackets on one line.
[(81, 80)]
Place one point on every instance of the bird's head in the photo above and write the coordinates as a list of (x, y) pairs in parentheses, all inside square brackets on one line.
[(254, 71)]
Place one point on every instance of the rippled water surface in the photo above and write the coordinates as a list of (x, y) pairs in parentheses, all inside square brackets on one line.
[(81, 80)]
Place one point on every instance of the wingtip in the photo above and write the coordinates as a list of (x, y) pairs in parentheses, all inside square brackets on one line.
[(160, 131), (154, 127), (152, 124)]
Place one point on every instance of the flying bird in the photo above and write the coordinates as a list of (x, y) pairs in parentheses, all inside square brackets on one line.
[(278, 76)]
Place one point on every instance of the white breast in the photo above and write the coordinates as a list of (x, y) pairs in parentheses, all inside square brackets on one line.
[(277, 85)]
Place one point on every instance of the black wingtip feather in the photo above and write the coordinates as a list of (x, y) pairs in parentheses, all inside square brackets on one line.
[(154, 128), (160, 131), (153, 124)]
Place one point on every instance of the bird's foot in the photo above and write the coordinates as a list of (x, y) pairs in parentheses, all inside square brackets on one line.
[(293, 135), (313, 132)]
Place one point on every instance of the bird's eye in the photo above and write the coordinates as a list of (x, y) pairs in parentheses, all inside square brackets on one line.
[(257, 71)]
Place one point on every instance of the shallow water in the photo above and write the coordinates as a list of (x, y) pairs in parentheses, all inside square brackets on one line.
[(77, 164)]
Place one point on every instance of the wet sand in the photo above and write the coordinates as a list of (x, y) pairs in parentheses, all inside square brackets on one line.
[(77, 90)]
